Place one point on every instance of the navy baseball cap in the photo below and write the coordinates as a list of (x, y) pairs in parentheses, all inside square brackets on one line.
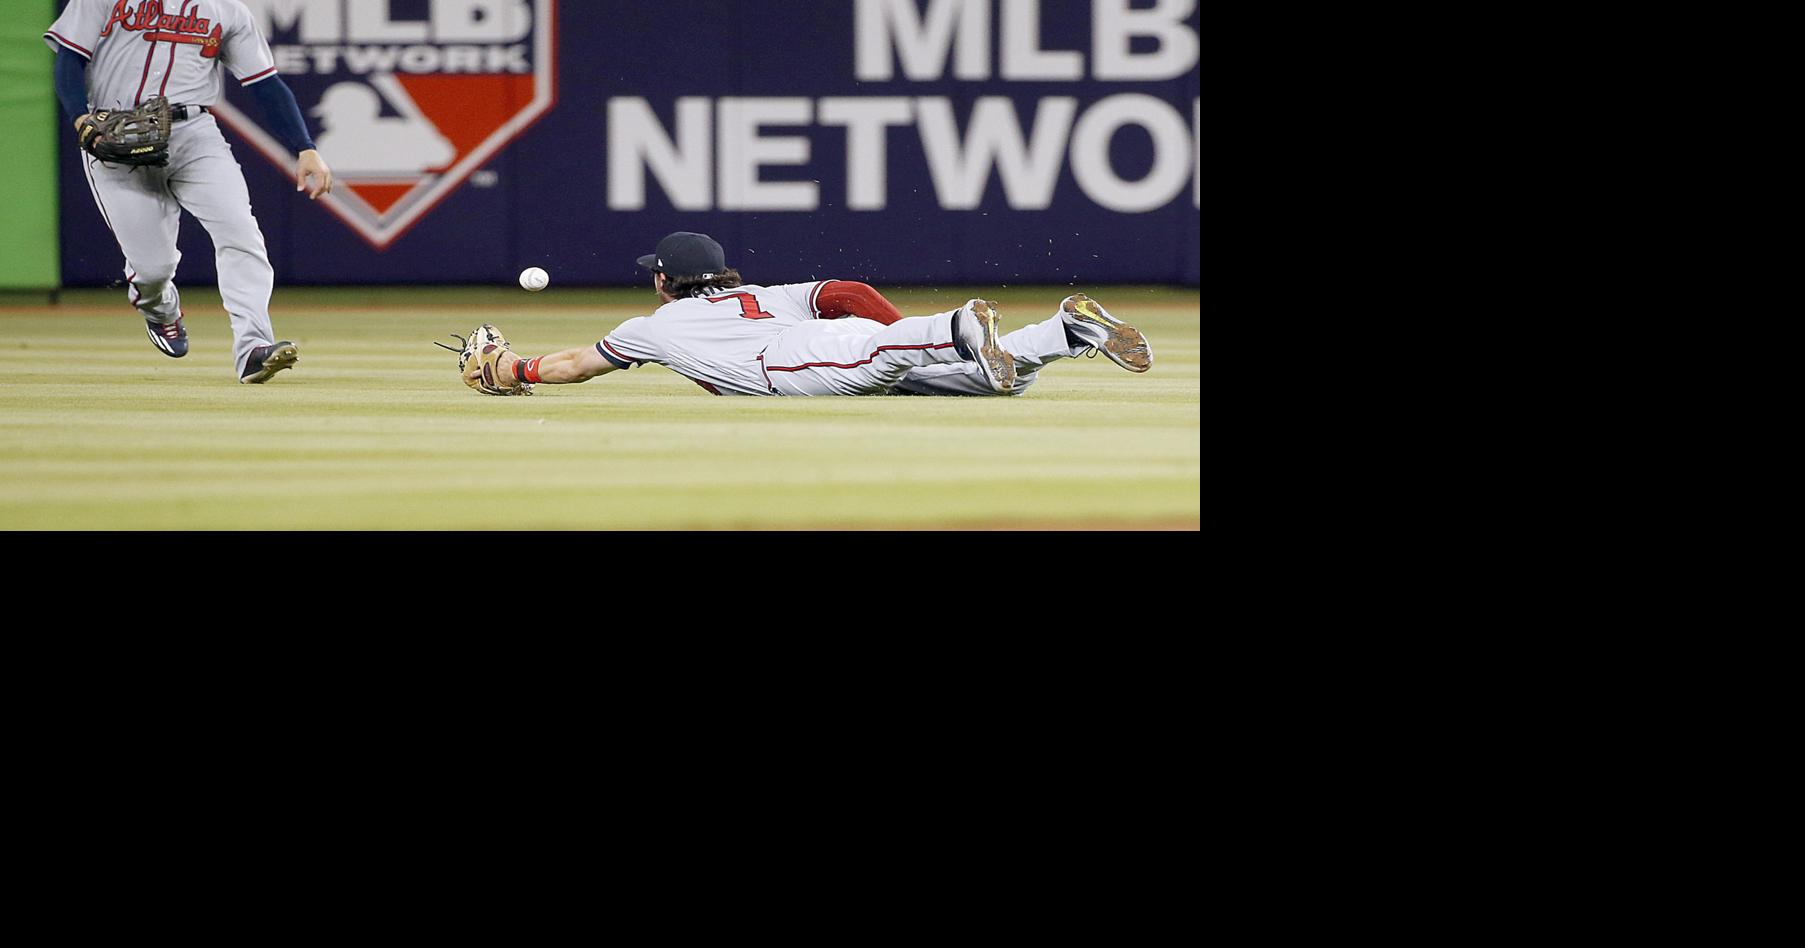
[(686, 255)]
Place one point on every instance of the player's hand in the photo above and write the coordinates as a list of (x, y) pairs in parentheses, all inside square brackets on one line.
[(502, 367), (312, 175)]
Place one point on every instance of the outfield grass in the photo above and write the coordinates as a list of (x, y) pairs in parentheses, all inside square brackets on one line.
[(374, 430)]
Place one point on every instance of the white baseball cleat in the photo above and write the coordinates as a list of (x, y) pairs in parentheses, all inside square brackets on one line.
[(1122, 343), (975, 336)]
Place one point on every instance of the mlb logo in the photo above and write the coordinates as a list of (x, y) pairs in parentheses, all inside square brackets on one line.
[(407, 98)]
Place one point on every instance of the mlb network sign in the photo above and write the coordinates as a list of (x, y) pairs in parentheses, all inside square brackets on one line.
[(713, 157), (406, 110), (898, 113)]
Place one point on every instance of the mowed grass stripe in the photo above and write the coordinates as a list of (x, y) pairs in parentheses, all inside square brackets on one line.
[(373, 431), (480, 505)]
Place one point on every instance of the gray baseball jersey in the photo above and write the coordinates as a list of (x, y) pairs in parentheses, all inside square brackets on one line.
[(757, 340), (138, 51), (714, 340)]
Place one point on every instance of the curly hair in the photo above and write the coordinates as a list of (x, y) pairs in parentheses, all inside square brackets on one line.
[(685, 287)]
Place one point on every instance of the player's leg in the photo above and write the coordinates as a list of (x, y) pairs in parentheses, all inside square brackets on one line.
[(144, 219), (846, 357), (860, 357), (206, 179), (1081, 325), (1032, 346)]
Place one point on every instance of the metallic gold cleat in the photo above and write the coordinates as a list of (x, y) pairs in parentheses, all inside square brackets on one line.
[(1122, 343), (975, 330)]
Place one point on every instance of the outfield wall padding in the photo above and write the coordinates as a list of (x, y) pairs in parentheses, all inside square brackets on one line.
[(923, 142)]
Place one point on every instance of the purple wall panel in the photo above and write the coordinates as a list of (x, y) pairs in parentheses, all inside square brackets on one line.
[(544, 199)]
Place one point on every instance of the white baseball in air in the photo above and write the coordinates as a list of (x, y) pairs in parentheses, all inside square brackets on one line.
[(534, 279)]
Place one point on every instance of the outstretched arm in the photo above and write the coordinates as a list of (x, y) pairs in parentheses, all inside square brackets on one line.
[(565, 368), (560, 368)]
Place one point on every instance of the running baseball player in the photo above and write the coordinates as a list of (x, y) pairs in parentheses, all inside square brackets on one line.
[(828, 338), (120, 55)]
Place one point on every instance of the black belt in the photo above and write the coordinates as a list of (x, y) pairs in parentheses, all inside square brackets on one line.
[(183, 113)]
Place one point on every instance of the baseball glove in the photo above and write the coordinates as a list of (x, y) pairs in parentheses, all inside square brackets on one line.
[(479, 362), (137, 137)]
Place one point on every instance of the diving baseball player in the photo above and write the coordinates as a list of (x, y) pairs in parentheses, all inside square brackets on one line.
[(828, 338), (117, 55)]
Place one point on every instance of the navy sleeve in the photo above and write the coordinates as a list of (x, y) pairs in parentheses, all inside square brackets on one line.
[(619, 363), (72, 83), (284, 113)]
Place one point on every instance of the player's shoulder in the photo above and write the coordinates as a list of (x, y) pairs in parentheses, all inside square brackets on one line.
[(702, 303), (744, 288), (801, 294), (233, 10), (688, 304)]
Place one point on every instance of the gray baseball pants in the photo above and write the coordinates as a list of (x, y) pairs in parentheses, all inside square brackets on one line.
[(143, 207), (1034, 347)]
